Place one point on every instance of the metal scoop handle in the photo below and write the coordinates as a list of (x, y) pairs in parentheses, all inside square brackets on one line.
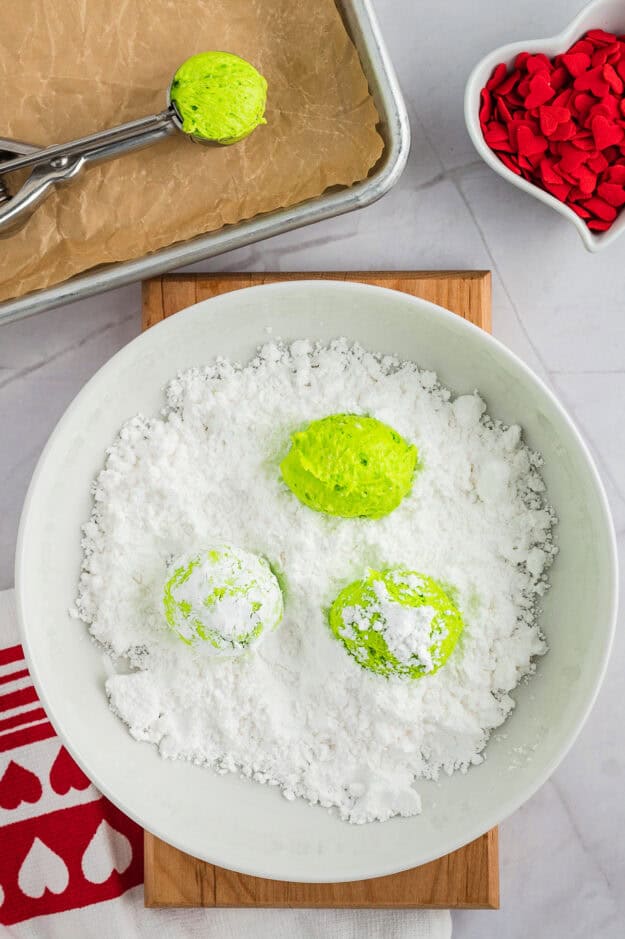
[(123, 133), (61, 163)]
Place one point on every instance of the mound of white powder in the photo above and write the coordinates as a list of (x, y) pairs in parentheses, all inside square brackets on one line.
[(299, 712)]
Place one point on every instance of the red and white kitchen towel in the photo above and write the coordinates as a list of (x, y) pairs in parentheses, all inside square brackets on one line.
[(69, 859), (62, 845)]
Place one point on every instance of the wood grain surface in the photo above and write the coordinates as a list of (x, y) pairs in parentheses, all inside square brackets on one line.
[(467, 878), (466, 293)]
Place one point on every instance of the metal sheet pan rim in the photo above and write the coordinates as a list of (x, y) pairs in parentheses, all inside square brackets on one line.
[(394, 126)]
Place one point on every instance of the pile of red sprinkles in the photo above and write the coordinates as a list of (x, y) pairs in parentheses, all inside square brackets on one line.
[(560, 124)]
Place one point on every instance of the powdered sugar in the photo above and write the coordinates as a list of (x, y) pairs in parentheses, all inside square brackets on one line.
[(298, 711)]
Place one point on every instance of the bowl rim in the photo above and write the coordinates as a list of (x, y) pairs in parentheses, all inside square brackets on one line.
[(475, 82), (498, 812)]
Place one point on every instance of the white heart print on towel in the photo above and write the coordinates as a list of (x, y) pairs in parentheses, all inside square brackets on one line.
[(41, 870), (107, 851)]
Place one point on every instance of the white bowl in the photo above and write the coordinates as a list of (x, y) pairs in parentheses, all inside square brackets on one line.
[(236, 823), (600, 14)]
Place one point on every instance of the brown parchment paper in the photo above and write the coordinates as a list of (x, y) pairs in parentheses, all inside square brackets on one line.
[(72, 67)]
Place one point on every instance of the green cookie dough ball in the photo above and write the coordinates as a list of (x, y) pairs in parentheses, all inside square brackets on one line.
[(223, 599), (396, 622), (349, 465), (219, 96)]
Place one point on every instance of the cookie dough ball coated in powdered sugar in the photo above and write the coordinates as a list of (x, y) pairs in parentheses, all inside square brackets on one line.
[(396, 622), (223, 599)]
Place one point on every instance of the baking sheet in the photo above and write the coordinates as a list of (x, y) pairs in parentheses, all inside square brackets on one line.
[(86, 70)]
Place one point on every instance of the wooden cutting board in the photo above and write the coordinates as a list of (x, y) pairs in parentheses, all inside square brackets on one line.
[(467, 878)]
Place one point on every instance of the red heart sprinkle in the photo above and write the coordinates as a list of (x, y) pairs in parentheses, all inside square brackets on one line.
[(503, 111), (538, 63), (563, 99), (565, 176), (565, 131), (572, 158), (550, 116), (506, 86), (496, 136), (548, 172), (559, 190), (600, 37), (576, 194), (540, 91), (599, 58), (613, 79), (607, 107), (576, 62), (601, 209), (596, 225), (605, 132), (528, 142), (616, 174), (597, 163), (486, 106), (612, 193), (587, 181), (513, 100), (593, 81), (582, 103), (582, 45), (497, 131), (499, 73), (518, 120), (583, 141), (559, 77)]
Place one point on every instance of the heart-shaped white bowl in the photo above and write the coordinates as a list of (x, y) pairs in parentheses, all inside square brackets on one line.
[(600, 14)]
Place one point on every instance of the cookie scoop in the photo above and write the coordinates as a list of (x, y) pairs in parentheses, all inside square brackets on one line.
[(214, 98)]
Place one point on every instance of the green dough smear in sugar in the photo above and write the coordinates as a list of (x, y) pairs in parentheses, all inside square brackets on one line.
[(219, 96), (396, 622), (224, 600), (350, 465)]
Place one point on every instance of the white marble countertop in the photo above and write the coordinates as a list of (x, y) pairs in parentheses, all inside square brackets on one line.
[(561, 309)]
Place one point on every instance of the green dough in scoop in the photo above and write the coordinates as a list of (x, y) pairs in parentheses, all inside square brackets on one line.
[(349, 465), (219, 97), (224, 600), (396, 622)]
